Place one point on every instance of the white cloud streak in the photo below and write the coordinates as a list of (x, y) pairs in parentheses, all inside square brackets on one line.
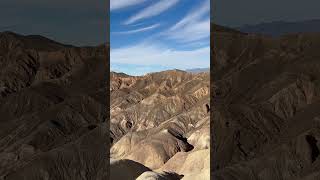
[(140, 29), (120, 4), (153, 10), (149, 54), (193, 26)]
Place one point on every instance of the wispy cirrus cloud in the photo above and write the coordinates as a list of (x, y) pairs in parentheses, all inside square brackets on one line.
[(120, 4), (148, 28), (153, 10), (191, 33), (194, 26)]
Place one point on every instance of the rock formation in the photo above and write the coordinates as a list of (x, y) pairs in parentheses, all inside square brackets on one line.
[(161, 121)]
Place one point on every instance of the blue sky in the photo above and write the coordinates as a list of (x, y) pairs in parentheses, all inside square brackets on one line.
[(155, 35)]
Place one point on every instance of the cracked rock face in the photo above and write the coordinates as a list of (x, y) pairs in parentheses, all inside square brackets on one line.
[(53, 110), (266, 106), (160, 117)]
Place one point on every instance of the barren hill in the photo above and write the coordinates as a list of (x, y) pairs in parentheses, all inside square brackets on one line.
[(53, 113), (161, 121), (265, 106)]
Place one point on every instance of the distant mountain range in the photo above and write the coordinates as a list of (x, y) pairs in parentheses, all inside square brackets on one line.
[(278, 28), (195, 71), (198, 70)]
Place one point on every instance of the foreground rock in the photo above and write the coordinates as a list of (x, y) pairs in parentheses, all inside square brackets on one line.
[(126, 169), (159, 176)]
